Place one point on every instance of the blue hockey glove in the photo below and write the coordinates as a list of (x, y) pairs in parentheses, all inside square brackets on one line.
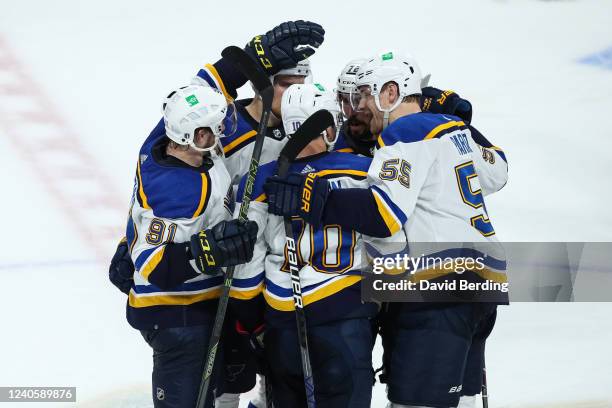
[(121, 269), (228, 243), (297, 194), (285, 45), (435, 100)]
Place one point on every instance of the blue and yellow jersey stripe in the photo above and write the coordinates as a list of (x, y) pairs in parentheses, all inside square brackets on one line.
[(393, 216), (281, 299), (211, 76), (418, 127)]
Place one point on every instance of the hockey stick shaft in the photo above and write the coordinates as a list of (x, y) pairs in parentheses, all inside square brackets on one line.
[(484, 390), (308, 131), (262, 83)]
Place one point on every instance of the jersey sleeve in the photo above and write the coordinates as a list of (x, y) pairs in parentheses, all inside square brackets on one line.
[(221, 75), (163, 264), (490, 164)]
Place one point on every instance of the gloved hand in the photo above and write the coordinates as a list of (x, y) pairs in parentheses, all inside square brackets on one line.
[(435, 100), (255, 337), (298, 194), (285, 45), (228, 243), (121, 269)]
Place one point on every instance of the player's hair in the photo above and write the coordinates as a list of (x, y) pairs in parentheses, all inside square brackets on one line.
[(175, 146)]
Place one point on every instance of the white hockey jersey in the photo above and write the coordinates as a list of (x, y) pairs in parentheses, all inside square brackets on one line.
[(429, 176), (330, 257), (171, 202)]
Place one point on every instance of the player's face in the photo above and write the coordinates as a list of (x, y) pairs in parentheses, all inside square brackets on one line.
[(368, 104), (204, 138), (281, 83)]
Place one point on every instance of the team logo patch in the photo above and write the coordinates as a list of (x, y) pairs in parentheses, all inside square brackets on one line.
[(277, 134), (192, 100)]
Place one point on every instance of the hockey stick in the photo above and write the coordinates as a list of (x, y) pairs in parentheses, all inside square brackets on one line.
[(262, 84), (307, 132), (484, 390)]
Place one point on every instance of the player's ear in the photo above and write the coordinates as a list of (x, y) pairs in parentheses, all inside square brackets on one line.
[(393, 92)]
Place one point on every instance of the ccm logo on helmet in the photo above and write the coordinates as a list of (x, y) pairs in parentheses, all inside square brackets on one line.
[(307, 191)]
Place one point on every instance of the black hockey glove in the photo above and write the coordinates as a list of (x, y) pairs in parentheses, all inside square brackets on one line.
[(285, 45), (435, 100), (121, 269), (255, 338), (228, 243), (297, 194)]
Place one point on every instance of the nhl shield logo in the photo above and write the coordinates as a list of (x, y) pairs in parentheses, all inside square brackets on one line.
[(161, 394)]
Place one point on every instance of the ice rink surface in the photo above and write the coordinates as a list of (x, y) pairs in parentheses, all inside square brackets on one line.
[(539, 74)]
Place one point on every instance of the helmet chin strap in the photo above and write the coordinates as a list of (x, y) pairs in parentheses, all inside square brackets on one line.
[(213, 150), (386, 112)]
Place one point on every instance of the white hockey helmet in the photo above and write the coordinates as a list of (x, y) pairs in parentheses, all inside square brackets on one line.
[(389, 67), (345, 86), (346, 79), (301, 69), (193, 107), (300, 101)]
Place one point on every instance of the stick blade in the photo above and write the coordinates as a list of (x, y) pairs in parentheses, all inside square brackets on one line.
[(306, 133)]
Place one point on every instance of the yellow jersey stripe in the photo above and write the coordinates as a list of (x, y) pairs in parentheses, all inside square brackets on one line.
[(381, 143), (442, 127), (326, 291), (172, 300), (246, 294), (386, 214), (215, 74), (261, 198), (152, 263), (342, 171), (239, 140), (203, 196), (346, 150), (141, 193)]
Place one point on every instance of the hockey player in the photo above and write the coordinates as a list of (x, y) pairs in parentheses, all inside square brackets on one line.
[(180, 236), (355, 135), (339, 326), (429, 174), (280, 52)]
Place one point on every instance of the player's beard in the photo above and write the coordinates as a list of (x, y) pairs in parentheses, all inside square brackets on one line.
[(359, 126), (358, 131)]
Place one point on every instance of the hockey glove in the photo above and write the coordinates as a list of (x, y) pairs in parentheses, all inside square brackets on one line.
[(285, 45), (121, 269), (228, 243), (255, 337), (297, 194), (435, 100)]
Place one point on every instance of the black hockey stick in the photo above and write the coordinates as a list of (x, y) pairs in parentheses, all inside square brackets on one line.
[(261, 83), (484, 390), (307, 132)]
